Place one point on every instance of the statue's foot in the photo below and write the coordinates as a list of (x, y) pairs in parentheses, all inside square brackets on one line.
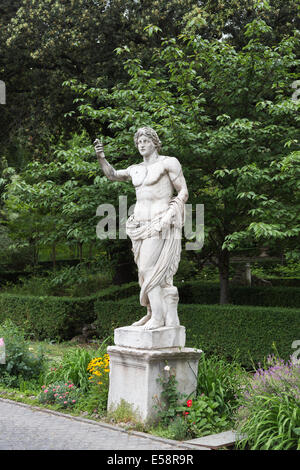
[(153, 324), (142, 321)]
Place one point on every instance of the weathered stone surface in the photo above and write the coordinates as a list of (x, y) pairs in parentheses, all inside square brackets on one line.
[(214, 441), (160, 338), (134, 374), (155, 226)]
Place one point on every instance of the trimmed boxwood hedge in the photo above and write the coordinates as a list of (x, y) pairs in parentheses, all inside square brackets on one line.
[(208, 292), (227, 330), (285, 281), (205, 292), (251, 330), (47, 317), (58, 318)]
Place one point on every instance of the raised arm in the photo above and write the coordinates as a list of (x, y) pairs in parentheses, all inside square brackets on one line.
[(108, 169)]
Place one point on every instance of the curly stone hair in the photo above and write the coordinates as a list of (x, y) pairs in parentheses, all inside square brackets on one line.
[(150, 133)]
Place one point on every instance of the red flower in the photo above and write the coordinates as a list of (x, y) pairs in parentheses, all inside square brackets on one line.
[(189, 403), (186, 413)]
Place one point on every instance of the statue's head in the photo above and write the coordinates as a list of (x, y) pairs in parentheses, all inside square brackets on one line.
[(150, 133)]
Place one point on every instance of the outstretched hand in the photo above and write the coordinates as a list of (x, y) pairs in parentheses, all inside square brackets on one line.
[(99, 149)]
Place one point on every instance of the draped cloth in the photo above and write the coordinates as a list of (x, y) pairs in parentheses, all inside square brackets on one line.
[(167, 248)]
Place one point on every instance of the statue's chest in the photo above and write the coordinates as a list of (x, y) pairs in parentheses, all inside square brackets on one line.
[(146, 176)]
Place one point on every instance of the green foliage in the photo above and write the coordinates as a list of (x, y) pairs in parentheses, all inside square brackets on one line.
[(21, 364), (227, 114), (124, 413), (71, 281), (72, 368), (208, 293), (220, 380), (204, 417), (291, 269), (169, 407), (223, 330), (47, 317), (242, 332), (269, 412)]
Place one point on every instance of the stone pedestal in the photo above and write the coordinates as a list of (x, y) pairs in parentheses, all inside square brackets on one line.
[(135, 337), (138, 359)]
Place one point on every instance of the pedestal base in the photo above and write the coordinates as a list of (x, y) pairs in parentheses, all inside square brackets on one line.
[(134, 373), (137, 337)]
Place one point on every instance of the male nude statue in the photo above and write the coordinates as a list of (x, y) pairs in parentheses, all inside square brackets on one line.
[(155, 226)]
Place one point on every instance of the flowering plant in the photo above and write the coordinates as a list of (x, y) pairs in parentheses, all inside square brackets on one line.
[(64, 394), (278, 378), (169, 407), (203, 416), (99, 370), (269, 412)]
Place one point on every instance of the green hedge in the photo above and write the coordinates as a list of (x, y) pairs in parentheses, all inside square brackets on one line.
[(58, 318), (47, 317), (215, 329), (224, 330), (284, 281), (206, 292), (118, 292)]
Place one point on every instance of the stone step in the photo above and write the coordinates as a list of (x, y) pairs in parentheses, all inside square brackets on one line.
[(215, 441)]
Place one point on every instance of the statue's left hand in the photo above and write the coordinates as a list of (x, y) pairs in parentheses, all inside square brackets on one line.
[(166, 220)]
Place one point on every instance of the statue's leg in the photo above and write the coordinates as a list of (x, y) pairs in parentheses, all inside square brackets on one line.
[(148, 267), (171, 299), (144, 319), (157, 308)]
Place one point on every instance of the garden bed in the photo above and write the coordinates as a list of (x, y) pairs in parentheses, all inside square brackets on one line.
[(262, 404)]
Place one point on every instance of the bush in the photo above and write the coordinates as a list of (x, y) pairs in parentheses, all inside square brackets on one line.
[(63, 394), (70, 281), (47, 317), (201, 292), (20, 364), (285, 281), (220, 380), (214, 328), (204, 417), (229, 331)]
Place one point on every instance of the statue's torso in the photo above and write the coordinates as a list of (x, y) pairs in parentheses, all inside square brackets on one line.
[(153, 187)]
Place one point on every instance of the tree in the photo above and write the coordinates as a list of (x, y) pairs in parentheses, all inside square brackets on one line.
[(56, 203), (44, 43), (274, 191), (217, 18), (209, 103)]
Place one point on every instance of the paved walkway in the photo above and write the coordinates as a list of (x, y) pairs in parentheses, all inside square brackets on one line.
[(25, 427)]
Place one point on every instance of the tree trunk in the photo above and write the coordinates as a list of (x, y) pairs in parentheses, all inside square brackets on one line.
[(223, 262)]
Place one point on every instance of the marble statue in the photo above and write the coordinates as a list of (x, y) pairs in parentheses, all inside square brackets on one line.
[(155, 226)]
